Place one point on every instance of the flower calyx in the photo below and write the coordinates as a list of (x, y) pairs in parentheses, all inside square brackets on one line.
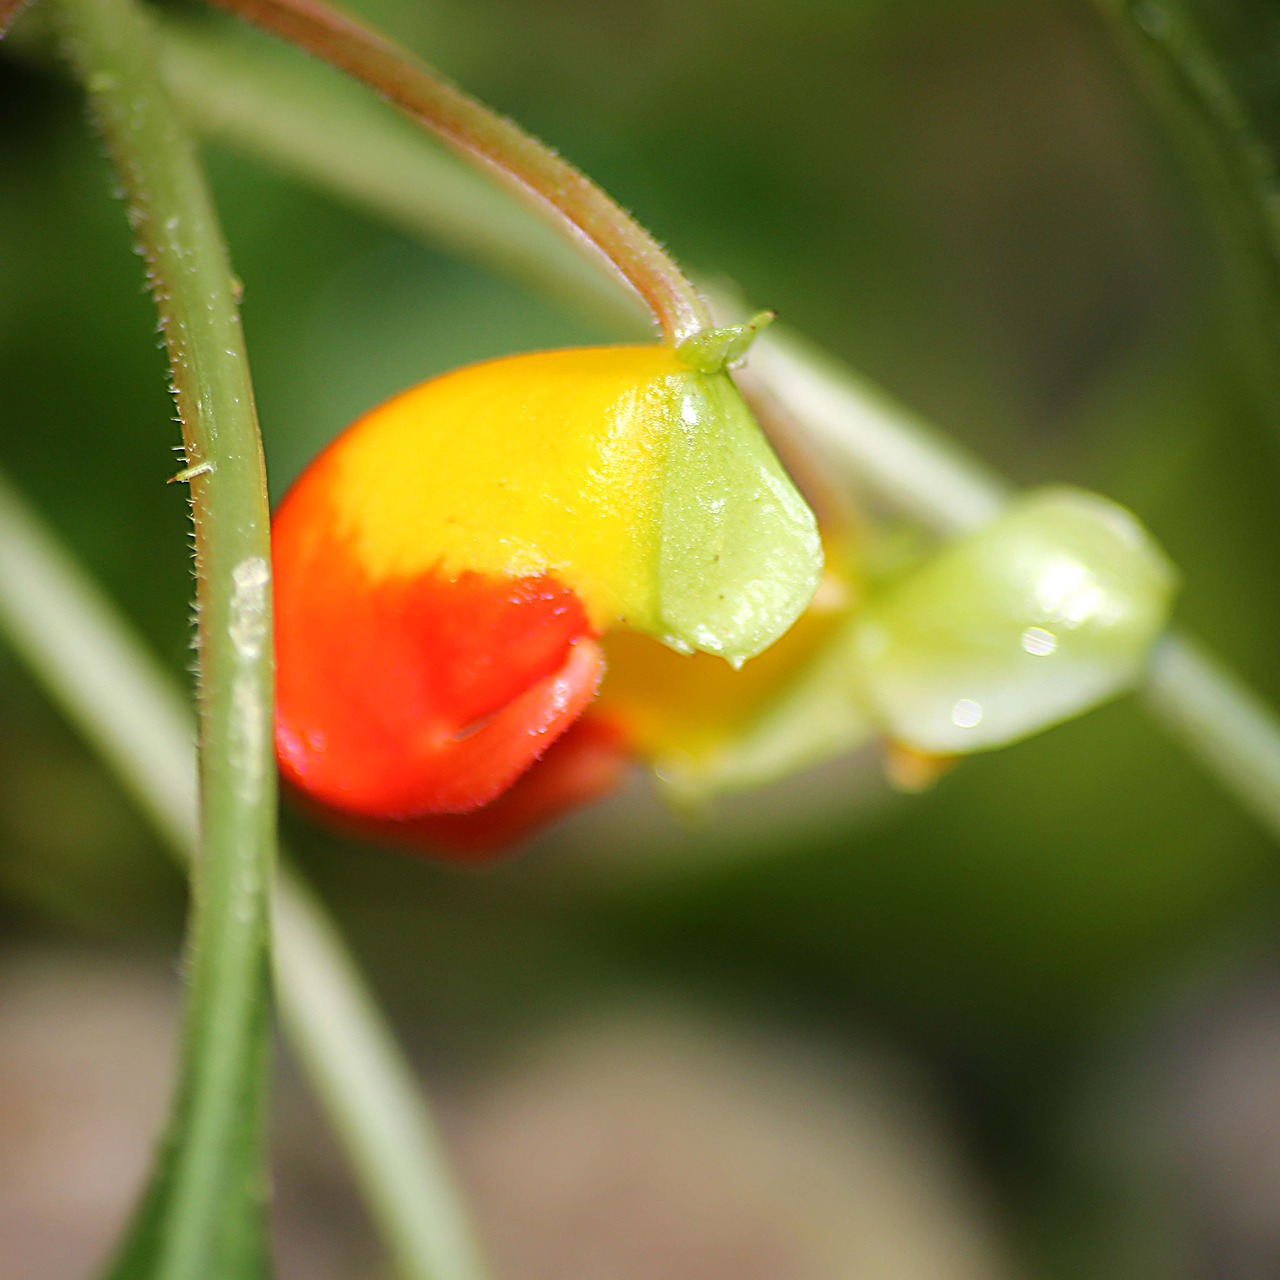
[(724, 347)]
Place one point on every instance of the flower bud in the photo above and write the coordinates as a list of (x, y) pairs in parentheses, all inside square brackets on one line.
[(1044, 613), (444, 569)]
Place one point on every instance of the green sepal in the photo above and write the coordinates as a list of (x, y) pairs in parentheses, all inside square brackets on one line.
[(711, 350), (738, 554)]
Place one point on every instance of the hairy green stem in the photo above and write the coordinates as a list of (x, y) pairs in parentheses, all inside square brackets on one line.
[(204, 1215), (551, 184), (893, 456), (95, 669)]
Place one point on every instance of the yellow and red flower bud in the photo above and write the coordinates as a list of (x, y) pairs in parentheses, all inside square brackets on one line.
[(445, 568)]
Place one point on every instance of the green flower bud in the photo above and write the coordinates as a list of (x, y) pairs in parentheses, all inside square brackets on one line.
[(1044, 613)]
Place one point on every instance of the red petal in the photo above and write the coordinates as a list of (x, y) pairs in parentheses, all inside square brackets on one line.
[(403, 698), (583, 765)]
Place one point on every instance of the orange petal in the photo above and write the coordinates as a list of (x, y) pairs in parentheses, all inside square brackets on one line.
[(585, 764), (402, 697)]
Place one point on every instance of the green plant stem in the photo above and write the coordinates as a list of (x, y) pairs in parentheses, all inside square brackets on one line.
[(893, 456), (371, 1096), (1220, 719), (549, 183), (95, 669), (204, 1214)]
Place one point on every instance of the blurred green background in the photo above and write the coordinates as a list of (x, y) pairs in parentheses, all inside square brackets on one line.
[(1069, 946)]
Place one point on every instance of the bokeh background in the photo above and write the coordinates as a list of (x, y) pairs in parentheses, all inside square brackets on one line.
[(1026, 1024)]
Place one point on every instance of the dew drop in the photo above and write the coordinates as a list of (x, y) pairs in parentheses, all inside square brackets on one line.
[(966, 713)]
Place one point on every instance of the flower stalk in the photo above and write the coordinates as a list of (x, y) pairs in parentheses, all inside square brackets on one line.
[(546, 181)]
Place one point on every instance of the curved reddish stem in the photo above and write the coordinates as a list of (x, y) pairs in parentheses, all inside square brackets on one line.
[(552, 184)]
